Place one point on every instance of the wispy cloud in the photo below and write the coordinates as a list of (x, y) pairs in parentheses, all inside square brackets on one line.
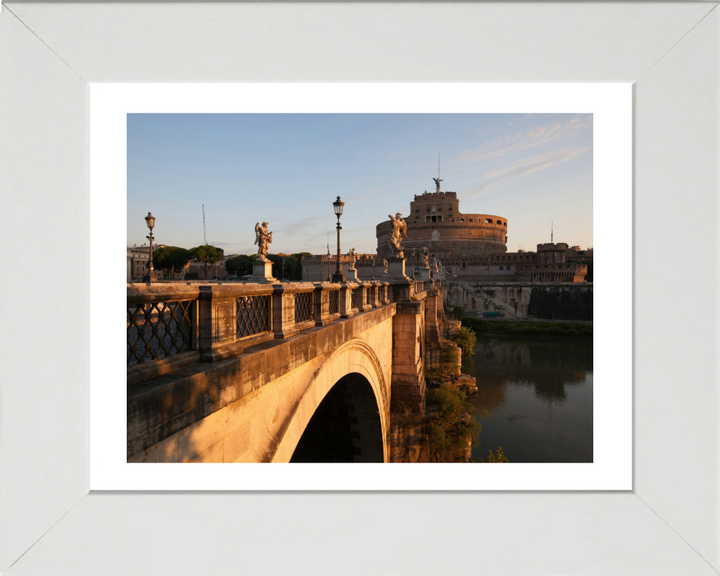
[(303, 225), (522, 140), (521, 168)]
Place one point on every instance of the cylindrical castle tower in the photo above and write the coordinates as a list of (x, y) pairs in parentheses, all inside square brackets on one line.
[(435, 222)]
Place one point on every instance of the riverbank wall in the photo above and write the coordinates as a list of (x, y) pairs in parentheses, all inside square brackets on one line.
[(521, 301)]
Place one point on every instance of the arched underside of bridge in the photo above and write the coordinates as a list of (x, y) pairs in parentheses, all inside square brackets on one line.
[(345, 427), (344, 414)]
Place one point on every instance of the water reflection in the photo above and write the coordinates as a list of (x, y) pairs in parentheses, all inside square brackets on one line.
[(538, 394)]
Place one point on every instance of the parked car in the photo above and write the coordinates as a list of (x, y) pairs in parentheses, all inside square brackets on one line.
[(494, 314)]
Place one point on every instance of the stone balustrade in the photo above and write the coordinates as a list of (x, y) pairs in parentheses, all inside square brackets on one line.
[(196, 353), (170, 325)]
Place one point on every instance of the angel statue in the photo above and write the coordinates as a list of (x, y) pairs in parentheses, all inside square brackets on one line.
[(353, 258), (437, 184), (425, 258), (399, 230), (263, 239), (435, 264)]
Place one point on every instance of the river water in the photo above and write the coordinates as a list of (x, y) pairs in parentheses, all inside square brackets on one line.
[(538, 395)]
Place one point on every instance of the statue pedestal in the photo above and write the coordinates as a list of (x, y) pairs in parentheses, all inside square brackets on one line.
[(352, 275), (424, 274), (396, 268), (262, 272)]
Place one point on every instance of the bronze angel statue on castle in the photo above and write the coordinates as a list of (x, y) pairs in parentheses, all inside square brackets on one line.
[(263, 239)]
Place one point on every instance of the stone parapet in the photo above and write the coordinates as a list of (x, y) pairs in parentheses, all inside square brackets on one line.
[(140, 293), (322, 312), (217, 321), (346, 300), (291, 311)]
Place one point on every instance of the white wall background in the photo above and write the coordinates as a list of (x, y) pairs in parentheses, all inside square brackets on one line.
[(49, 52)]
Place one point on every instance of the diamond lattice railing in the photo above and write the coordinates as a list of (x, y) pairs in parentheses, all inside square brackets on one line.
[(303, 307), (158, 330), (334, 301), (253, 315)]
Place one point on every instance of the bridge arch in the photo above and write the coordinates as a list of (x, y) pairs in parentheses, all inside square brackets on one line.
[(352, 375)]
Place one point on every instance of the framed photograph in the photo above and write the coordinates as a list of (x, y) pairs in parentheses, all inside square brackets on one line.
[(213, 403), (646, 502)]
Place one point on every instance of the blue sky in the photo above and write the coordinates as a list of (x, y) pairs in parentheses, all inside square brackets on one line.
[(287, 169)]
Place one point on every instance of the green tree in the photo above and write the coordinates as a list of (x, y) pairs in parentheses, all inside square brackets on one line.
[(500, 457), (240, 265), (454, 421), (171, 259), (161, 260), (466, 339), (207, 256), (293, 270), (298, 269), (276, 265)]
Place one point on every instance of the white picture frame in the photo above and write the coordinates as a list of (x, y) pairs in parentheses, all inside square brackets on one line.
[(668, 523)]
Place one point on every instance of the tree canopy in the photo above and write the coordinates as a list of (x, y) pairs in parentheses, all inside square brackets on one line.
[(453, 422), (207, 256), (293, 269), (466, 339), (240, 265), (171, 259)]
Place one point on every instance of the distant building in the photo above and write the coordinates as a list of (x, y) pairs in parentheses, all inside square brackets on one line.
[(321, 268), (549, 264), (137, 261), (577, 254)]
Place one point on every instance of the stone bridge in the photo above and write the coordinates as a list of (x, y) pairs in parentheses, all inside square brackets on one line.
[(295, 372)]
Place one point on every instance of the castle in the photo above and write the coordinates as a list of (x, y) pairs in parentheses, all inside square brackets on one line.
[(470, 247), (435, 222)]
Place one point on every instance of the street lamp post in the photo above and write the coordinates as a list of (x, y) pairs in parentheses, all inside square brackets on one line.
[(150, 221), (338, 208)]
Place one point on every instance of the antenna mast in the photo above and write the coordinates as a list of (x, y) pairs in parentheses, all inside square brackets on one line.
[(204, 232), (552, 231)]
